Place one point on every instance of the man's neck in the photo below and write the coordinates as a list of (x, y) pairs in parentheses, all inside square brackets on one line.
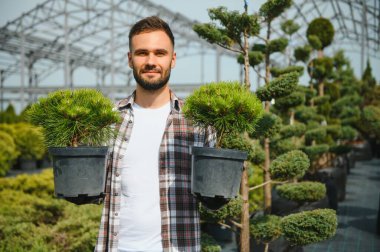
[(152, 99)]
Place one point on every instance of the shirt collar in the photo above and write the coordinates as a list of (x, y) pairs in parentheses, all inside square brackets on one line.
[(128, 102)]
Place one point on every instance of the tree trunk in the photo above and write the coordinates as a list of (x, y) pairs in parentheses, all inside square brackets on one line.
[(267, 187), (244, 232)]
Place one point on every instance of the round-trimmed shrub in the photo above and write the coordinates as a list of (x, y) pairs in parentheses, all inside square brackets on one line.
[(302, 192), (320, 68), (309, 226), (29, 141), (227, 107), (340, 149), (8, 152), (302, 53), (265, 228), (323, 29), (349, 133), (289, 165)]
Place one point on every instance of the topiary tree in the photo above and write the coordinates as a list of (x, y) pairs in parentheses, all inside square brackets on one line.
[(9, 115), (323, 29), (232, 35)]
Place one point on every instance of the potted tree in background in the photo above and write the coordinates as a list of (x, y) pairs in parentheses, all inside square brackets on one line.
[(77, 129)]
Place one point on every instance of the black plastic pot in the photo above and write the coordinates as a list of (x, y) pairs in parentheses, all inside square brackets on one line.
[(216, 173), (79, 172)]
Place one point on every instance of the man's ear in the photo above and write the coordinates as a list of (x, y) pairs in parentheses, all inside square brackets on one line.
[(174, 58), (130, 60)]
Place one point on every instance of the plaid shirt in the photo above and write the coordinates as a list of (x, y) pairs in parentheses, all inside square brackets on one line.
[(180, 227)]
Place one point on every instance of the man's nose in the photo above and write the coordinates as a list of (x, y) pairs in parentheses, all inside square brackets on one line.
[(151, 59)]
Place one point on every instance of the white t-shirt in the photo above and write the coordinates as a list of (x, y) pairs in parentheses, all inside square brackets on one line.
[(140, 215)]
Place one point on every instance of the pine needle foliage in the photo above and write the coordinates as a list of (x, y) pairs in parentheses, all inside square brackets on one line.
[(225, 106), (73, 118), (276, 72)]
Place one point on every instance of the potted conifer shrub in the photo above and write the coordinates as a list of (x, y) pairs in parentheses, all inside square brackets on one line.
[(230, 109), (77, 129)]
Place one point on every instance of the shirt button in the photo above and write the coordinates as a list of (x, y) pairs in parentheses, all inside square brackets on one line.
[(115, 194), (130, 121), (116, 214), (115, 233), (121, 156), (117, 174)]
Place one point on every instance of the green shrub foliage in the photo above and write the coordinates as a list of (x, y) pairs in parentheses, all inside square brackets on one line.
[(28, 207), (30, 141), (267, 126), (72, 118), (277, 45), (281, 86), (281, 146), (317, 135), (315, 42), (232, 25), (255, 58), (226, 106), (209, 244), (290, 101), (340, 149), (289, 27), (323, 29), (289, 165), (8, 152), (313, 152), (265, 228), (309, 227), (9, 115), (230, 210), (371, 118), (349, 133), (320, 68), (297, 129), (302, 53), (273, 8), (302, 192), (239, 142), (276, 72)]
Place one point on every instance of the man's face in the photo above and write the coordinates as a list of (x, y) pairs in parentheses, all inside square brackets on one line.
[(151, 58)]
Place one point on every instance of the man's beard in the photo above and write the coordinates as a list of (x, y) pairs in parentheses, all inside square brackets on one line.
[(151, 85)]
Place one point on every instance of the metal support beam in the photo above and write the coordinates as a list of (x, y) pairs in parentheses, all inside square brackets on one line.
[(22, 68), (67, 78), (217, 64), (112, 49), (2, 90)]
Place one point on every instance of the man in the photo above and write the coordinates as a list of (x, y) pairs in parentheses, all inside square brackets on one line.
[(148, 204)]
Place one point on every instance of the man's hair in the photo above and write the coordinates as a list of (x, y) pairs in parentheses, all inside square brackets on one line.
[(150, 24)]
